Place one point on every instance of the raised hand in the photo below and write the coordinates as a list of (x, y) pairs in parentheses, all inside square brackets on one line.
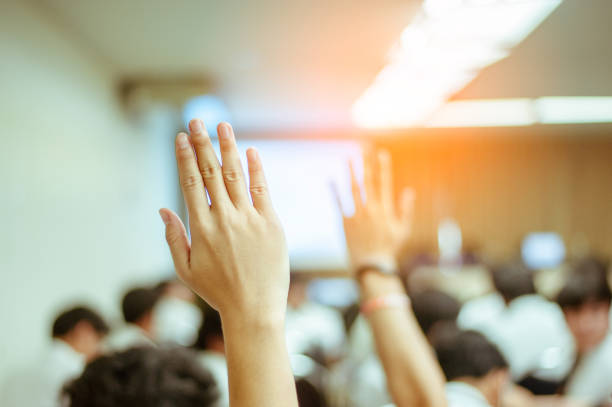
[(379, 227), (374, 235), (237, 258), (236, 261)]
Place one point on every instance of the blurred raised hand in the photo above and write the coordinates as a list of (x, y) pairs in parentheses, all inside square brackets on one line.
[(374, 235), (236, 261), (380, 225)]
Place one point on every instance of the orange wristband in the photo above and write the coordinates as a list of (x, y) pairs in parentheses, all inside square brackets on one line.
[(386, 301)]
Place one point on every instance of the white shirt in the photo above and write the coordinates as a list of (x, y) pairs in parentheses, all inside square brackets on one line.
[(40, 385), (314, 326), (530, 332), (592, 380), (128, 336), (480, 312), (368, 384), (459, 394), (215, 363)]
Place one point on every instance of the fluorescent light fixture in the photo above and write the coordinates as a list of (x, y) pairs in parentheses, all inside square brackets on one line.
[(441, 51), (522, 112), (477, 113), (561, 110)]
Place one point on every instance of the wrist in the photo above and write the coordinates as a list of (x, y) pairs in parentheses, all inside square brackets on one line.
[(253, 319), (383, 261), (392, 300), (374, 284)]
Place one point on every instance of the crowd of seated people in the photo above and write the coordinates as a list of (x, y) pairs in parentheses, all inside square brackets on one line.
[(237, 329)]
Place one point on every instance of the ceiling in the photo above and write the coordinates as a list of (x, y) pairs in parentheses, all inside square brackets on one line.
[(302, 63), (569, 54), (294, 62)]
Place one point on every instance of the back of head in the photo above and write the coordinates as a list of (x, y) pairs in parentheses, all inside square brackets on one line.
[(139, 302), (152, 377), (512, 280), (587, 283), (69, 319), (431, 307), (465, 354)]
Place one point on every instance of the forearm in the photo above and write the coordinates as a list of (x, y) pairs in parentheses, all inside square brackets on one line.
[(413, 375), (258, 363)]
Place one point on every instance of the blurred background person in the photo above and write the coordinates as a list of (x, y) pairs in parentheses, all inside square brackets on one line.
[(585, 301), (528, 329), (176, 317), (143, 376), (138, 329), (476, 371), (211, 347), (77, 335), (432, 307)]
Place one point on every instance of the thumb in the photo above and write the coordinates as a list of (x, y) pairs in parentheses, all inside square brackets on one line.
[(176, 236)]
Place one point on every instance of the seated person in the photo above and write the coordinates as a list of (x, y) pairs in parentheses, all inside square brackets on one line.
[(585, 300), (147, 376), (137, 305), (77, 335), (432, 307), (529, 330), (177, 317), (476, 371)]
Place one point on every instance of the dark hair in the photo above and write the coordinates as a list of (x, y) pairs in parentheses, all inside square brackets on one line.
[(146, 376), (67, 320), (211, 327), (587, 283), (512, 280), (138, 302), (308, 395), (466, 353), (433, 306)]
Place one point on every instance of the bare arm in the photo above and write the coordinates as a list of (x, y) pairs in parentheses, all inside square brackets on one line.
[(374, 234), (236, 261)]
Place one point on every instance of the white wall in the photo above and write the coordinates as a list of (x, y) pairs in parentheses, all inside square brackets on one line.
[(80, 184)]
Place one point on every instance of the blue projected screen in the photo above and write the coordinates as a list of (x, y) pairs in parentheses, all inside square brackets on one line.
[(300, 176)]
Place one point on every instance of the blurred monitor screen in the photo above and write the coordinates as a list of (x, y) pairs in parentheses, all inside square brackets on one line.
[(543, 250), (300, 176)]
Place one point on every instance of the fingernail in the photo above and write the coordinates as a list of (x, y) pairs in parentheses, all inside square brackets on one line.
[(196, 126), (224, 131), (182, 140), (164, 216)]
